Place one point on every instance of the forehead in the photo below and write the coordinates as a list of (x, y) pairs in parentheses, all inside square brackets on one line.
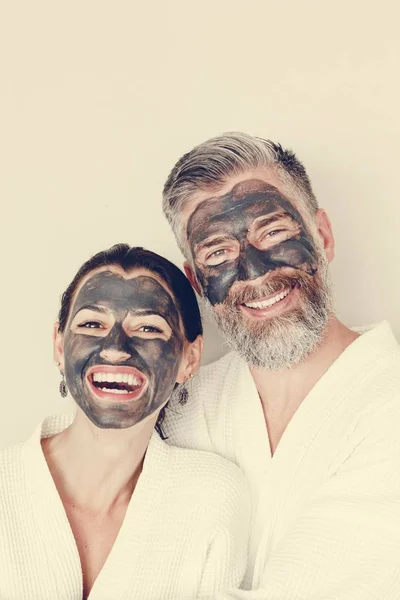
[(265, 175), (245, 201), (112, 287)]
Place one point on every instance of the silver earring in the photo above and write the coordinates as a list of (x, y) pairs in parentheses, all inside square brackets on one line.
[(63, 386), (183, 393)]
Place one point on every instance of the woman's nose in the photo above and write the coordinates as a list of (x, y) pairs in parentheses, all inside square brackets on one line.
[(113, 355)]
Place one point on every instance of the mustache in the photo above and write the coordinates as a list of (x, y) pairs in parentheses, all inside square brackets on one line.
[(275, 284)]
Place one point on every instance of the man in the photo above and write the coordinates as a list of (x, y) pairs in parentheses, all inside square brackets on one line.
[(308, 408)]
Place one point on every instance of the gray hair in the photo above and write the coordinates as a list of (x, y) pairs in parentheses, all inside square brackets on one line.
[(210, 164)]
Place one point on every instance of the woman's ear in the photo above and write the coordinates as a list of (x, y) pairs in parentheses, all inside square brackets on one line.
[(190, 360), (58, 346)]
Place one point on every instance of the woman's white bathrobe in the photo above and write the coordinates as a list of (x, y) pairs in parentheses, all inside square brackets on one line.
[(185, 533), (326, 522)]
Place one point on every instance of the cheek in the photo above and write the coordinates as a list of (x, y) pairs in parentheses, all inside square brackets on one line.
[(153, 354), (163, 364), (77, 348), (217, 283), (297, 253), (159, 355), (168, 361), (170, 353)]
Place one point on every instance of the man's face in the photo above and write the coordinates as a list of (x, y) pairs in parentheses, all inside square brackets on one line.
[(255, 260), (246, 234), (122, 348)]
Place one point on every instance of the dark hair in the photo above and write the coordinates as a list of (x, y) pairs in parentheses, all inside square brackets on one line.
[(128, 258)]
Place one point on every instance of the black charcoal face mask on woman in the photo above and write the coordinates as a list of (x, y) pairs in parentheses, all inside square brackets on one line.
[(111, 313)]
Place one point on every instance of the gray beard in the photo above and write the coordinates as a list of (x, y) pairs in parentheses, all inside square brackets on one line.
[(286, 340)]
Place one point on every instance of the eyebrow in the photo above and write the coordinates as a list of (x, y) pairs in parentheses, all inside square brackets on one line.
[(148, 312), (210, 242), (94, 307), (140, 312), (272, 218)]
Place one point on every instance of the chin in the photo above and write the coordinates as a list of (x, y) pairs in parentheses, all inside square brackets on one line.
[(116, 417)]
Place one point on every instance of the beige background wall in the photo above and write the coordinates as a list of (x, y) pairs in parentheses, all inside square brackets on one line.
[(97, 101)]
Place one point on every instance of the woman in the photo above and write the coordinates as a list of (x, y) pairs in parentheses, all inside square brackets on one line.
[(97, 505)]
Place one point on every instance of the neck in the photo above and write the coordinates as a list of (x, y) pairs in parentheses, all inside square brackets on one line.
[(97, 469), (281, 392)]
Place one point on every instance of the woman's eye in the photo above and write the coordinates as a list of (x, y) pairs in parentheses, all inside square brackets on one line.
[(91, 325), (150, 329)]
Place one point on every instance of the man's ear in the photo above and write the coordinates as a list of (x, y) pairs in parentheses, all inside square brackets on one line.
[(325, 232), (192, 277), (58, 347)]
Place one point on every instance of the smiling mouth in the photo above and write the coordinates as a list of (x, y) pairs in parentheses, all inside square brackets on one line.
[(269, 305), (260, 304), (117, 383)]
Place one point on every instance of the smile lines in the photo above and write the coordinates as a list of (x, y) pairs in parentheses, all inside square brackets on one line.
[(270, 302)]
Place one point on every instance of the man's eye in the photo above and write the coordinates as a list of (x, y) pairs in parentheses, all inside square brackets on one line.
[(267, 235), (91, 325), (220, 255), (216, 253), (216, 257)]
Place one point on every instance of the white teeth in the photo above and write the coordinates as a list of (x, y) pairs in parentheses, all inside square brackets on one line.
[(114, 391), (127, 378), (270, 301)]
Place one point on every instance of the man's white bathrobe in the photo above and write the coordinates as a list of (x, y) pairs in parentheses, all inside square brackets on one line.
[(326, 521)]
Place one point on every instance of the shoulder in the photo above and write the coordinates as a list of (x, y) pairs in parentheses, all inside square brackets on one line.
[(189, 425), (372, 365), (210, 376), (210, 479), (205, 466), (10, 459), (379, 392), (372, 405), (11, 471)]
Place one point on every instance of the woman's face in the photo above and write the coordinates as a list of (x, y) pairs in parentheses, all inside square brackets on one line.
[(122, 346)]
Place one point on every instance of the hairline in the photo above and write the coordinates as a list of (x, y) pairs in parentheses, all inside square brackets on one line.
[(213, 162), (292, 192), (118, 269)]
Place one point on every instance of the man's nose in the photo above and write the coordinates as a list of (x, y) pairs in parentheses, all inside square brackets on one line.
[(114, 355), (253, 265)]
